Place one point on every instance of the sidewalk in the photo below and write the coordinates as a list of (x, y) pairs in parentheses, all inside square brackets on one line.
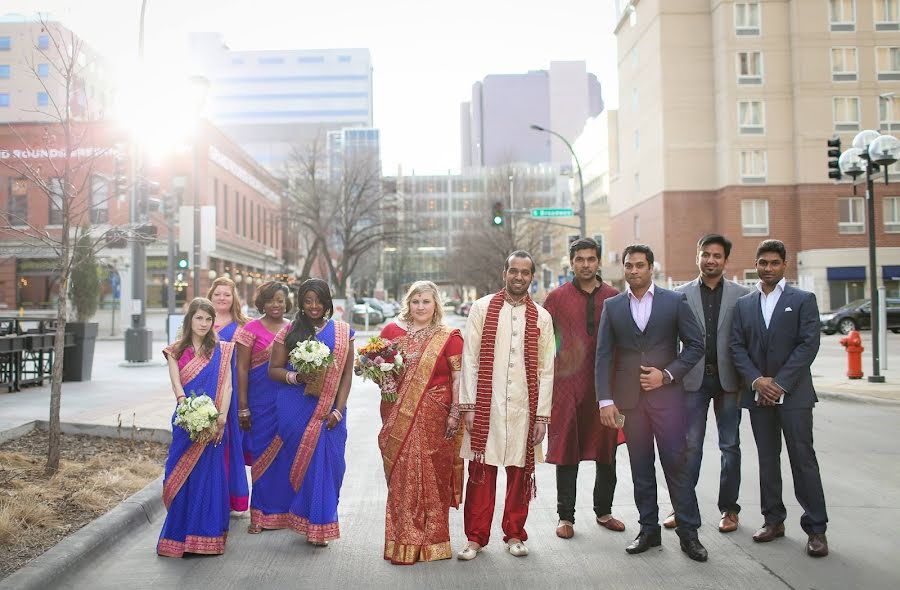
[(830, 371)]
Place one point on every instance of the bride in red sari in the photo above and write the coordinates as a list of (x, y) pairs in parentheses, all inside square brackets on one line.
[(421, 433)]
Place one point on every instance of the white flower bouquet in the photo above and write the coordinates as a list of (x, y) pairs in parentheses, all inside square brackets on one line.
[(197, 414), (311, 359)]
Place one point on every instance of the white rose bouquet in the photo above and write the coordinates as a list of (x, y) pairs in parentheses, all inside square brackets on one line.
[(197, 414), (311, 359)]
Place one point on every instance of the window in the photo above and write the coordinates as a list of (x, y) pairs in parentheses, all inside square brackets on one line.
[(886, 15), (636, 227), (887, 63), (43, 42), (344, 59), (753, 166), (889, 113), (548, 278), (312, 59), (892, 214), (755, 217), (751, 117), (600, 242), (4, 99), (637, 139), (634, 99), (749, 66), (637, 183), (844, 64), (99, 200), (634, 58), (746, 18), (225, 205), (55, 216), (43, 70), (4, 72), (43, 99), (270, 61), (17, 206), (4, 44), (546, 245), (850, 216), (842, 15), (846, 113)]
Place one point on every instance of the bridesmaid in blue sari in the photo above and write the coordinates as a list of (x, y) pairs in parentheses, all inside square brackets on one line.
[(257, 413), (312, 425), (229, 317), (195, 490)]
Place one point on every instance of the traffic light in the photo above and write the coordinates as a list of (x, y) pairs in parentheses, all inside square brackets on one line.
[(121, 176), (183, 261), (497, 214), (834, 154)]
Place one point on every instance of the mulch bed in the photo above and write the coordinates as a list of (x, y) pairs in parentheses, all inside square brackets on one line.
[(96, 474)]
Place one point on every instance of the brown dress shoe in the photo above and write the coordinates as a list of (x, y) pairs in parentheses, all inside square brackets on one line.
[(669, 522), (817, 546), (565, 530), (769, 532), (729, 522), (612, 523)]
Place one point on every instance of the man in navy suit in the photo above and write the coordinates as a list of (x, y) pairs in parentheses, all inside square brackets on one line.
[(775, 338), (639, 371)]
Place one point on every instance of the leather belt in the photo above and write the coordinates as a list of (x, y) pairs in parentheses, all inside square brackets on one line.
[(711, 369)]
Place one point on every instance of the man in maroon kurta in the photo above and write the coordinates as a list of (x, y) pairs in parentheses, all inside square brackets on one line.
[(575, 432)]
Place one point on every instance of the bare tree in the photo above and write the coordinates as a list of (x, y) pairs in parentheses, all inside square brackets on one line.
[(60, 164), (342, 213), (481, 252)]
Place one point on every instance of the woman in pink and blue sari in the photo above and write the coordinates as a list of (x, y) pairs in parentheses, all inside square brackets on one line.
[(257, 411), (312, 425), (195, 490), (229, 317)]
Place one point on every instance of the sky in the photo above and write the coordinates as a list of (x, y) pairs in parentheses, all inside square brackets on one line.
[(425, 54)]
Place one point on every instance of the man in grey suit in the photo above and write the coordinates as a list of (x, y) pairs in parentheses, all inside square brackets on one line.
[(775, 338), (639, 372), (712, 297)]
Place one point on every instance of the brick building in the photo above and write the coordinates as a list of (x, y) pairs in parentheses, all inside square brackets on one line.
[(724, 112)]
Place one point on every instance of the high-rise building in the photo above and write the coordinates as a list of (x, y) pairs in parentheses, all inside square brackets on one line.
[(32, 80), (495, 124), (272, 101), (725, 109)]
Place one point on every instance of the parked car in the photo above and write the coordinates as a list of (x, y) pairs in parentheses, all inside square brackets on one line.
[(387, 310), (857, 315), (359, 312), (464, 308)]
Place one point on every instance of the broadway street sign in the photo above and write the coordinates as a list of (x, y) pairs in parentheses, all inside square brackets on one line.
[(553, 212)]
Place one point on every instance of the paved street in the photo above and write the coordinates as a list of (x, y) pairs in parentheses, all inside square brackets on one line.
[(858, 452)]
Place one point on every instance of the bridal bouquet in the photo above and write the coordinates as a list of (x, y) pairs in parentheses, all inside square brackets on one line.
[(197, 414), (380, 360), (311, 358)]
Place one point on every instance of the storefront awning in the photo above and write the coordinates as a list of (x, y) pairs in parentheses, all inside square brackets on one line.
[(890, 273), (847, 273)]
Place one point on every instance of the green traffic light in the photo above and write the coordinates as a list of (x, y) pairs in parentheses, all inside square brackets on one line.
[(183, 263), (498, 220)]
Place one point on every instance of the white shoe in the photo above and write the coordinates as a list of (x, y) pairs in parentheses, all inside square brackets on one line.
[(469, 552), (517, 548)]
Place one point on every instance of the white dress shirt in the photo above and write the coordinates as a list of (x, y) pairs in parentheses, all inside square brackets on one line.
[(768, 302)]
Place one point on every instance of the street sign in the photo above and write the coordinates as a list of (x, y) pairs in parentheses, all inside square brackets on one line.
[(553, 212)]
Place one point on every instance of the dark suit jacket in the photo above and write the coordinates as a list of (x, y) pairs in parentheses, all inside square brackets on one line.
[(784, 351), (620, 340)]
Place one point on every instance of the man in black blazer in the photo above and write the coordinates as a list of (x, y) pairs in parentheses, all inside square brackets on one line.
[(639, 371), (775, 338)]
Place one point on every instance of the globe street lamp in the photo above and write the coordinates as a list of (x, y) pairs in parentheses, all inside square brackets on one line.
[(582, 212), (870, 151)]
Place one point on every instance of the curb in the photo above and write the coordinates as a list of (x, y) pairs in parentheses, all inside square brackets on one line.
[(857, 398), (88, 544), (84, 547)]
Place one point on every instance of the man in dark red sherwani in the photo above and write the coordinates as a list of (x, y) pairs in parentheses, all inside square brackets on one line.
[(575, 432)]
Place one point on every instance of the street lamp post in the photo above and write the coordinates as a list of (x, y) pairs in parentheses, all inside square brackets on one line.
[(582, 211), (870, 150), (199, 86)]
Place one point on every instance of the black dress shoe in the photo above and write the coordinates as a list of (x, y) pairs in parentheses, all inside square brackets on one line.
[(643, 542), (694, 549)]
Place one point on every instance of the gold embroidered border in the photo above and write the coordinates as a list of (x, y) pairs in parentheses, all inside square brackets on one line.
[(265, 460), (455, 362), (244, 336), (315, 533), (193, 368), (409, 554), (410, 397), (262, 357), (192, 544), (542, 419), (269, 521), (326, 400)]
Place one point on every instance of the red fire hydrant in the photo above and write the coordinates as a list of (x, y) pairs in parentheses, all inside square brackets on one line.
[(853, 343)]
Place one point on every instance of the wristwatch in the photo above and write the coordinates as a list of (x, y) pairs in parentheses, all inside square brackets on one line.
[(666, 379)]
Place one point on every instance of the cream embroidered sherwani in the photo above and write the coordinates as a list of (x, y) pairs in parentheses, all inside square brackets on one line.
[(508, 434)]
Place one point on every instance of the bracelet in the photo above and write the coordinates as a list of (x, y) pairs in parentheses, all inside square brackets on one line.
[(245, 413), (338, 414), (179, 398), (454, 411), (291, 378)]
